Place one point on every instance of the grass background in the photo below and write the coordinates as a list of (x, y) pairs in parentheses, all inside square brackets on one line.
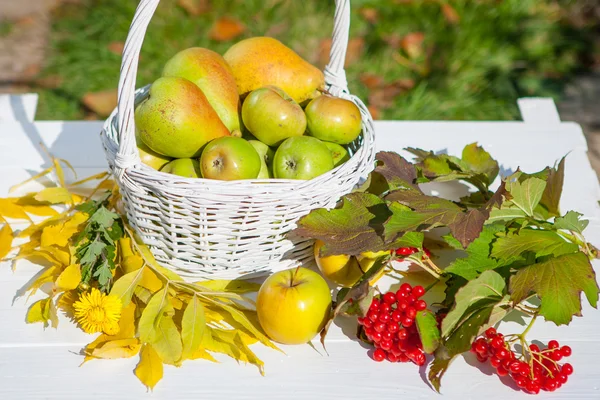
[(421, 59)]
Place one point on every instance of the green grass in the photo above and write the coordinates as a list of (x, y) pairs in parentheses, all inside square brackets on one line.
[(476, 69), (6, 28)]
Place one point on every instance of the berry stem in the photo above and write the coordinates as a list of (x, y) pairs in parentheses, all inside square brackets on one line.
[(526, 331)]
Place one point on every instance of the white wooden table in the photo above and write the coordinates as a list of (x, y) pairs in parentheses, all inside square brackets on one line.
[(38, 364)]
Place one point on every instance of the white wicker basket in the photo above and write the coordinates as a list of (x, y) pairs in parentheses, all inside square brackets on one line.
[(207, 229)]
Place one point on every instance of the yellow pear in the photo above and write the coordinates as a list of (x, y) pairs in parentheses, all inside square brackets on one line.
[(176, 119), (151, 158), (209, 71), (263, 61)]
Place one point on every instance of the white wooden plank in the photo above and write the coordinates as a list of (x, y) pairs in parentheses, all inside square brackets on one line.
[(538, 110), (18, 107)]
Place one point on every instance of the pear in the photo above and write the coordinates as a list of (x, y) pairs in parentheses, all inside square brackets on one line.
[(151, 158), (263, 61), (266, 159), (186, 167), (176, 120), (209, 71)]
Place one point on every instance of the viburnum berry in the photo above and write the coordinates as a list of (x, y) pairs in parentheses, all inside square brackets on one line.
[(404, 251), (379, 355), (533, 370)]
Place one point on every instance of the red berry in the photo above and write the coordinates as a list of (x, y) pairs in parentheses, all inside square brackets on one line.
[(427, 252), (497, 342), (521, 382), (501, 371), (418, 291), (553, 344), (534, 348), (367, 323), (420, 360), (500, 353), (396, 350), (373, 315), (379, 326), (550, 385), (562, 378), (402, 334), (413, 250), (515, 367), (384, 308), (420, 305), (379, 355), (387, 335), (495, 362), (396, 316), (490, 332), (556, 355), (482, 358), (386, 344), (481, 348), (506, 363), (384, 317), (565, 351), (392, 327), (410, 299), (389, 298), (360, 320), (376, 336), (411, 312), (374, 305), (406, 288), (406, 322), (533, 387), (402, 305), (567, 369), (403, 358), (392, 357), (403, 251)]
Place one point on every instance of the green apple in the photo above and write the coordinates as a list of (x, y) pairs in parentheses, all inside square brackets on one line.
[(293, 305), (338, 152), (301, 157), (230, 158), (186, 167), (272, 116), (151, 158), (266, 158), (333, 119)]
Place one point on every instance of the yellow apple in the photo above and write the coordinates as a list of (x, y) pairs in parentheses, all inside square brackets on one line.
[(346, 270), (293, 305)]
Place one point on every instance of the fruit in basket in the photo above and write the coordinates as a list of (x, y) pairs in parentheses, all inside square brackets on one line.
[(301, 157), (151, 158), (186, 167), (176, 119), (338, 152), (343, 269), (266, 158), (228, 159), (272, 116), (293, 305), (209, 71), (333, 119), (262, 61)]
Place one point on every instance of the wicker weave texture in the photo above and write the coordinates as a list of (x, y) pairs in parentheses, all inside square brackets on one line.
[(207, 229)]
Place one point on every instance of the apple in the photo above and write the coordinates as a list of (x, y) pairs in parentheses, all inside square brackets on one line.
[(266, 159), (293, 305), (333, 119), (229, 158), (272, 116), (186, 167), (301, 157), (346, 270), (338, 152), (151, 158)]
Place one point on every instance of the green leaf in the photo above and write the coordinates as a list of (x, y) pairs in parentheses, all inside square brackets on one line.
[(506, 213), (125, 286), (428, 331), (167, 341), (478, 255), (91, 252), (489, 285), (554, 185), (410, 239), (558, 282), (397, 172), (103, 274), (351, 228), (527, 194), (438, 368), (152, 315), (193, 325), (571, 221), (103, 217), (542, 243), (479, 161)]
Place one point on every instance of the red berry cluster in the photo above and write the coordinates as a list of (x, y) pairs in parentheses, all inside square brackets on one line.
[(390, 325), (542, 372), (407, 251)]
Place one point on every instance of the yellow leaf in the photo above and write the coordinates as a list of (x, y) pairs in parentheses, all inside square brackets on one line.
[(193, 324), (36, 312), (124, 287), (167, 341), (33, 178), (234, 286), (59, 234), (150, 281), (6, 238), (40, 210), (101, 175), (62, 257), (120, 348), (52, 313), (149, 258), (59, 172), (150, 369), (131, 263), (249, 355), (54, 195), (203, 354), (8, 209), (152, 315), (214, 315), (35, 228), (44, 276), (70, 278), (143, 294)]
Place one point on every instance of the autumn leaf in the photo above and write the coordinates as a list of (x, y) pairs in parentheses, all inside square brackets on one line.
[(195, 7), (54, 195), (193, 324), (383, 97), (450, 13), (150, 368), (152, 315), (369, 14), (125, 286), (412, 44), (354, 51), (60, 233), (8, 209), (38, 312), (233, 286), (226, 28), (101, 103), (119, 348), (116, 47), (69, 278), (6, 238), (370, 80)]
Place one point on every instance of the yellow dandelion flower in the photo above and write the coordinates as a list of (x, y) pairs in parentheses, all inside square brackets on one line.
[(97, 312)]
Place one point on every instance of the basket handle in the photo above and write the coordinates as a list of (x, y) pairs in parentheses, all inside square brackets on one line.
[(127, 155)]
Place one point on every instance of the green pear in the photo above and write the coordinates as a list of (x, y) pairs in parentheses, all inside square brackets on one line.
[(210, 72), (338, 152), (176, 120), (262, 61), (266, 158), (332, 119), (186, 167), (151, 158), (272, 116)]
